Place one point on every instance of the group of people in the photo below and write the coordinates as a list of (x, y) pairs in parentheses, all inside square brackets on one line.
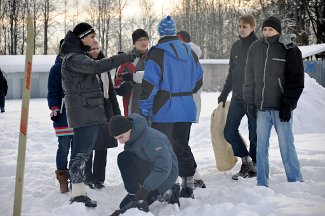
[(161, 99), (266, 77)]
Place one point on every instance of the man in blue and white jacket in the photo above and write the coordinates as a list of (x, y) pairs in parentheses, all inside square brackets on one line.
[(172, 74)]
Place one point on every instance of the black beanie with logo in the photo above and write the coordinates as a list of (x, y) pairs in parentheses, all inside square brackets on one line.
[(82, 30)]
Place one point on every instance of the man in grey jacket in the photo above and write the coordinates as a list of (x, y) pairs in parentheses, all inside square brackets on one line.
[(148, 164), (274, 81), (84, 100)]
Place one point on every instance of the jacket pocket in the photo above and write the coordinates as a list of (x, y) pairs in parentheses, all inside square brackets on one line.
[(161, 98), (91, 102), (278, 66)]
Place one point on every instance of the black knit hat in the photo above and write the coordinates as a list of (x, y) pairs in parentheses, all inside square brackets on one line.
[(82, 30), (119, 125), (139, 33), (184, 36), (272, 22)]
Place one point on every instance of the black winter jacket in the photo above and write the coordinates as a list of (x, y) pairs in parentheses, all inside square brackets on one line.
[(274, 75), (236, 75), (84, 98)]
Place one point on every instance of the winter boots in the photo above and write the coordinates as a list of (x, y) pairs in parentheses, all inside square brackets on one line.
[(127, 199), (187, 187), (79, 195), (84, 199), (172, 195), (198, 182), (63, 176), (247, 169)]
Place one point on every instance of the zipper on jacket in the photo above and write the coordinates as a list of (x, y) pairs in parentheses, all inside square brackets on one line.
[(267, 55), (281, 88)]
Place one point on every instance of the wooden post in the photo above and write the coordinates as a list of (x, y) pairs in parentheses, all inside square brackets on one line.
[(24, 119)]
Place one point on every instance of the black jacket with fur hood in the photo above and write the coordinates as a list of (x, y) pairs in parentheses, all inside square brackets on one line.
[(84, 99)]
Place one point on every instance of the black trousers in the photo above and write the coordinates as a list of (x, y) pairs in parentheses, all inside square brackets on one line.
[(133, 170), (178, 134), (95, 169), (2, 102)]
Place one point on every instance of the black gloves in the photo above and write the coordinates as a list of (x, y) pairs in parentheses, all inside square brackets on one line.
[(285, 114), (222, 98), (251, 110), (139, 202), (141, 194), (127, 76), (55, 114)]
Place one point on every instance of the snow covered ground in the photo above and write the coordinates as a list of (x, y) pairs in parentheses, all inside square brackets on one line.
[(223, 196)]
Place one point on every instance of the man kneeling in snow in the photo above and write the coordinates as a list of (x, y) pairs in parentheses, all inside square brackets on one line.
[(148, 164)]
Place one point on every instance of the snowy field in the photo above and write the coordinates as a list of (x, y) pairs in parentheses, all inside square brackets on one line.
[(223, 196)]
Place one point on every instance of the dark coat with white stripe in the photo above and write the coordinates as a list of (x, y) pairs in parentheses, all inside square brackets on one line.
[(274, 75)]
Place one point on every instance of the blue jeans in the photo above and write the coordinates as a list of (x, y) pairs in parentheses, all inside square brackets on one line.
[(83, 143), (237, 110), (265, 120), (63, 151)]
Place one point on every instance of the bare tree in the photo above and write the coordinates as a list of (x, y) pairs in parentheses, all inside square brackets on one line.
[(120, 7), (316, 14), (148, 18), (101, 16), (48, 8), (207, 24), (4, 5), (13, 20)]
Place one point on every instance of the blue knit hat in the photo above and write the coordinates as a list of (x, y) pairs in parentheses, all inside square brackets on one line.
[(167, 26)]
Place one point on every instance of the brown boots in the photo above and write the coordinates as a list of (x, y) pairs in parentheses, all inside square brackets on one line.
[(63, 176)]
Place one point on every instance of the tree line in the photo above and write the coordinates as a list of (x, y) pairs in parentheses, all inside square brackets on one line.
[(212, 24)]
